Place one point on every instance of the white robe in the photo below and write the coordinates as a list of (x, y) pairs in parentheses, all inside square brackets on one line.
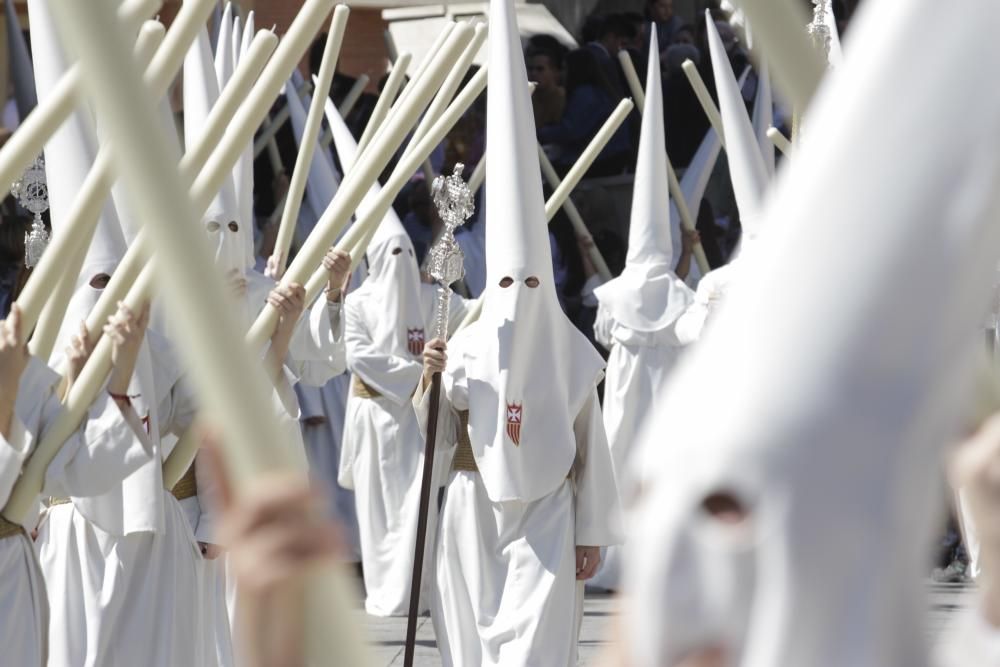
[(638, 368), (323, 448), (129, 599), (506, 591), (103, 447), (382, 457)]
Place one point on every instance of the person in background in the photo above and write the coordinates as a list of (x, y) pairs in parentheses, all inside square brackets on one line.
[(613, 33), (549, 99), (661, 12), (590, 99)]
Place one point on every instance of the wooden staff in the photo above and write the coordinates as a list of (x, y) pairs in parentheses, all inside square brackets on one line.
[(232, 385), (674, 185), (307, 149), (364, 172), (780, 141)]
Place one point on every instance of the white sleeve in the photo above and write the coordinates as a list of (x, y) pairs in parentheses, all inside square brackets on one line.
[(392, 376), (599, 520), (316, 352), (109, 445), (13, 452), (603, 324)]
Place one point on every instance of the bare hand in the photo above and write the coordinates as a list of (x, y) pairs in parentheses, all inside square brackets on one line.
[(435, 357), (126, 331), (210, 551), (587, 560), (13, 352), (80, 347), (338, 264), (275, 267), (289, 300), (689, 239)]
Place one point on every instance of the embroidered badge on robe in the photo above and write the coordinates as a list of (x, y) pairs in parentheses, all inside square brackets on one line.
[(514, 414), (415, 341)]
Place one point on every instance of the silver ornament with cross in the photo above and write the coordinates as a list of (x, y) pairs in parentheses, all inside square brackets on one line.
[(32, 192), (455, 204)]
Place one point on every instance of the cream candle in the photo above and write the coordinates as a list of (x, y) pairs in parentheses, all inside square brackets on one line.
[(779, 140), (705, 98), (307, 147)]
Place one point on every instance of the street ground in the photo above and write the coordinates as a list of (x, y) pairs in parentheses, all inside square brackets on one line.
[(388, 634)]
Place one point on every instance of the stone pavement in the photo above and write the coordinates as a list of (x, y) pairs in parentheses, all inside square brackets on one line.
[(388, 634)]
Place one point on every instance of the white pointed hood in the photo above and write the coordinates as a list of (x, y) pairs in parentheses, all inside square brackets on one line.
[(134, 505), (529, 369), (243, 171), (224, 48), (20, 63), (648, 296), (393, 282), (201, 91), (70, 153), (835, 426), (746, 166)]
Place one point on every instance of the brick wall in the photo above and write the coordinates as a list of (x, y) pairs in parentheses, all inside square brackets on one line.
[(363, 51)]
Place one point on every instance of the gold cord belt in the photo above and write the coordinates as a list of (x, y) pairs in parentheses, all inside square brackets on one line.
[(362, 390), (464, 459), (186, 486), (8, 529)]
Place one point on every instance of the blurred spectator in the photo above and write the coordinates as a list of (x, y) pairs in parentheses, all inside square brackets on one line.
[(549, 98), (421, 219), (13, 275), (590, 99), (614, 34), (685, 120), (661, 12)]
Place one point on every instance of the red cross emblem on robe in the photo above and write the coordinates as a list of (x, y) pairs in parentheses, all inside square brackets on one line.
[(514, 415), (415, 341)]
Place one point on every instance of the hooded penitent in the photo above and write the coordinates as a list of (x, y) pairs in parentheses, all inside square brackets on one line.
[(393, 277), (841, 366), (746, 164), (648, 296), (529, 369), (201, 91)]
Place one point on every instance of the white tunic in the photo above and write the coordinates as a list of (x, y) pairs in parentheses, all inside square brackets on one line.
[(128, 597), (638, 368), (506, 591), (88, 462), (382, 456)]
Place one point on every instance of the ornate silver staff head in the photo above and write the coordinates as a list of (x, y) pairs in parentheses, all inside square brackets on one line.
[(455, 204), (32, 192), (819, 30)]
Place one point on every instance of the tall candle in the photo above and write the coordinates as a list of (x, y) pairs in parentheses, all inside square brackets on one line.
[(352, 97), (573, 213), (231, 383), (28, 142), (265, 140), (705, 98), (385, 99), (779, 140), (357, 238), (587, 157), (232, 95), (451, 85), (307, 147), (779, 31), (364, 172)]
